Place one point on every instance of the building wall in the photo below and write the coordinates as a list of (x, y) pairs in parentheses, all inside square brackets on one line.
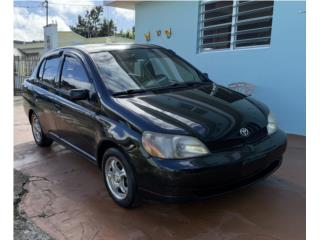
[(29, 49), (69, 38), (278, 71), (50, 37)]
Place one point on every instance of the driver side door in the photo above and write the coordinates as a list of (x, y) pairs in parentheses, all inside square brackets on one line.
[(76, 122)]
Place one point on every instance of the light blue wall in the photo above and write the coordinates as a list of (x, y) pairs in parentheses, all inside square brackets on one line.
[(279, 71)]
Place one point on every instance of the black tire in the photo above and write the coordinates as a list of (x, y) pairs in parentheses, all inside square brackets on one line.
[(132, 196), (39, 137)]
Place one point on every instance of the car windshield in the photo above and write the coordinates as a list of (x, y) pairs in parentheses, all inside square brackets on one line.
[(144, 69)]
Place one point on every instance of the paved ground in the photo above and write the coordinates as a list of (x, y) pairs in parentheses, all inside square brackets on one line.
[(67, 199), (23, 227)]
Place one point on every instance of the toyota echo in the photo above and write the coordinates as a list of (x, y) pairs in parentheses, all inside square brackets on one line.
[(153, 123)]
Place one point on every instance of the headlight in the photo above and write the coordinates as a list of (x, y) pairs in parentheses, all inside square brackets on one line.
[(272, 124), (172, 146)]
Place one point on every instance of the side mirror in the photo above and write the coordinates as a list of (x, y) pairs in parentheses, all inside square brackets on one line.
[(206, 75), (79, 94)]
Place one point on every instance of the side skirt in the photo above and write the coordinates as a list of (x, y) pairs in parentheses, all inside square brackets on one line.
[(72, 147)]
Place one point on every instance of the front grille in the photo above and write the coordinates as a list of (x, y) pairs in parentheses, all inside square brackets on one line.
[(227, 144), (236, 140)]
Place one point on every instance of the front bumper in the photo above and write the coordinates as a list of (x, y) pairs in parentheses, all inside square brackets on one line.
[(214, 174)]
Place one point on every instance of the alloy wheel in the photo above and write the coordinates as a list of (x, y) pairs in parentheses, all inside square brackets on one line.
[(116, 177), (36, 129)]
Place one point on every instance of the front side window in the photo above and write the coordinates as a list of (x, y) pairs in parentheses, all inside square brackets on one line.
[(143, 69), (235, 24), (74, 75), (51, 69)]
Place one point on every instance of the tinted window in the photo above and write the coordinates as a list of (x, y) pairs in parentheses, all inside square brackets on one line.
[(50, 69), (74, 75)]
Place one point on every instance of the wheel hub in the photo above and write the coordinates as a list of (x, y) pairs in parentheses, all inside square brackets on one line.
[(117, 178)]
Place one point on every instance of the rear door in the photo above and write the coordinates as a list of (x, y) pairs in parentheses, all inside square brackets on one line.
[(76, 119), (44, 92)]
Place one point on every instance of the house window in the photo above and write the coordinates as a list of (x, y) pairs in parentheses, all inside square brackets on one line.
[(235, 24)]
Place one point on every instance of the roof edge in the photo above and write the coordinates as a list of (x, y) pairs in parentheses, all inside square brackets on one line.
[(130, 5)]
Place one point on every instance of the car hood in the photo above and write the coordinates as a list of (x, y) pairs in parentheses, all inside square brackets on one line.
[(209, 113)]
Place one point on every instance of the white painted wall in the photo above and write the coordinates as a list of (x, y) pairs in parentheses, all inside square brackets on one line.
[(50, 37)]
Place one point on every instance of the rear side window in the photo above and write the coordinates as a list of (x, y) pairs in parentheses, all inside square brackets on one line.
[(50, 70), (74, 75)]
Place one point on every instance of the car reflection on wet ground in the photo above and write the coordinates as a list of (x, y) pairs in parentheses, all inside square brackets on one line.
[(67, 199)]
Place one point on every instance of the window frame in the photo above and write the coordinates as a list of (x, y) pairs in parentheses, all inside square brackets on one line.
[(233, 47)]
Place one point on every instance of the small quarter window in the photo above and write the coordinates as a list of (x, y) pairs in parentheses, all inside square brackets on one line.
[(40, 72), (74, 75)]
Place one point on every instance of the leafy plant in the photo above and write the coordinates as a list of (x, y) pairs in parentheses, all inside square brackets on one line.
[(93, 25)]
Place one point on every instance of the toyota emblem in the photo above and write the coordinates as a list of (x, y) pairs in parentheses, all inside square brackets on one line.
[(244, 132)]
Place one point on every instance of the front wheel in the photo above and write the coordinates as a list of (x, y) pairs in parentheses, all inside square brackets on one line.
[(39, 137), (119, 178)]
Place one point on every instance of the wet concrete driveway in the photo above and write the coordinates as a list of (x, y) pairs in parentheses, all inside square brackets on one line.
[(68, 200)]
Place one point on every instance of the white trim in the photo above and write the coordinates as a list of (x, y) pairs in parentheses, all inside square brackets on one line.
[(248, 48), (233, 25)]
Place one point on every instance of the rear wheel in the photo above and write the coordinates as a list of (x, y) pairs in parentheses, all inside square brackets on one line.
[(39, 137), (119, 178)]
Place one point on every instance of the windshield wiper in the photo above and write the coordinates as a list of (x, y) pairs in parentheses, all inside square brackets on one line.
[(174, 85), (170, 86), (128, 92), (198, 83), (185, 84)]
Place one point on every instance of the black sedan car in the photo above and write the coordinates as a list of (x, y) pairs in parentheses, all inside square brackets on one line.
[(153, 123)]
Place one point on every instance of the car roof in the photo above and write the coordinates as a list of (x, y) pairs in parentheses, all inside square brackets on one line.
[(91, 48)]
